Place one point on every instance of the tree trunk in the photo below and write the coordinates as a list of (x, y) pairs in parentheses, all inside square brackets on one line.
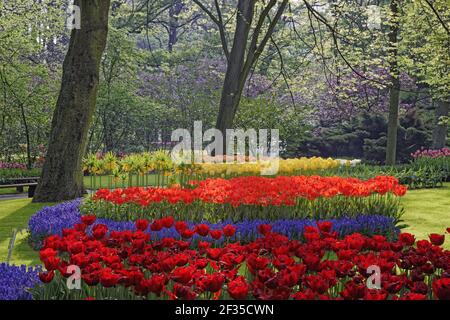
[(234, 76), (174, 11), (440, 131), (61, 177), (240, 64), (394, 92), (27, 135)]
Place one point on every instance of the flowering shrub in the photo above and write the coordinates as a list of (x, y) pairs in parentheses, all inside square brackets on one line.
[(15, 281), (52, 220), (249, 198), (431, 153), (129, 265), (12, 165)]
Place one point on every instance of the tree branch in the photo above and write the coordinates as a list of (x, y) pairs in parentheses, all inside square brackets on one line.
[(219, 22), (436, 13)]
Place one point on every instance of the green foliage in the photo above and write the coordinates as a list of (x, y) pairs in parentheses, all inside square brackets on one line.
[(364, 137), (6, 174), (29, 76), (263, 113)]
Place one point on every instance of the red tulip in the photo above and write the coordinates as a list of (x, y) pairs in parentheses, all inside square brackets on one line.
[(238, 288), (187, 233), (155, 284), (46, 253), (317, 284), (90, 279), (168, 222), (437, 239), (46, 277), (180, 226), (216, 234), (407, 239), (88, 219), (413, 296), (441, 288), (325, 226), (202, 245), (183, 292), (157, 225), (141, 224), (264, 229), (229, 230), (202, 229), (182, 274), (99, 231), (109, 279), (353, 291), (212, 282), (75, 247), (51, 263)]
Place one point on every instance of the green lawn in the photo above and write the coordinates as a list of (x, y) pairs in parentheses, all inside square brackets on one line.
[(426, 211), (12, 190), (15, 214)]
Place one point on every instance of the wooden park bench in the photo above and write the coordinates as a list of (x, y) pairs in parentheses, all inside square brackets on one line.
[(20, 183)]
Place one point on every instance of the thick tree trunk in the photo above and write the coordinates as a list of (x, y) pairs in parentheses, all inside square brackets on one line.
[(440, 131), (61, 177), (232, 87), (394, 92)]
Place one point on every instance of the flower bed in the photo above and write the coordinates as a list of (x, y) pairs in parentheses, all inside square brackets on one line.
[(16, 281), (53, 220), (161, 161), (12, 165), (129, 265), (431, 153), (434, 162), (158, 168), (250, 198)]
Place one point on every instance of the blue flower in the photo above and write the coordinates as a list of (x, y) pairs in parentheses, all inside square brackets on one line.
[(16, 280), (52, 220)]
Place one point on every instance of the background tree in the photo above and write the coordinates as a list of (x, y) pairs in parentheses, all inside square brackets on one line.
[(245, 49), (394, 90)]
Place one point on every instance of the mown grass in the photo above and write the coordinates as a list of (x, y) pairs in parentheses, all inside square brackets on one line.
[(14, 214), (428, 211), (12, 190)]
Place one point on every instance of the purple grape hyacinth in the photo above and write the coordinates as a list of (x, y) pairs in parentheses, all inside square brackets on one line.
[(15, 280), (52, 220)]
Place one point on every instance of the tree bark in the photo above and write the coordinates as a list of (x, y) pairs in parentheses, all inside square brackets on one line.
[(394, 92), (230, 92), (440, 131), (174, 11), (61, 177), (240, 64)]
